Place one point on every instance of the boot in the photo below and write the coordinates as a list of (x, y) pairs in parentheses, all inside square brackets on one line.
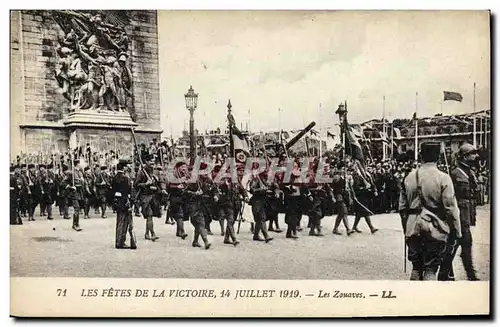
[(278, 229), (207, 243), (76, 222), (416, 274), (49, 212), (221, 223), (468, 264)]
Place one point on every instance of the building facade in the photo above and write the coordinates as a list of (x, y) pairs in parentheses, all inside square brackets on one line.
[(83, 77)]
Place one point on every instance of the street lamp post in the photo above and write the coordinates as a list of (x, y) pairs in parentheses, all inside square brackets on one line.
[(342, 112), (191, 103)]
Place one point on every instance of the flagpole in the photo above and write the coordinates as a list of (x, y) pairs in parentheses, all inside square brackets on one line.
[(480, 131), (474, 142), (279, 119), (485, 131), (320, 131), (384, 148), (416, 126), (392, 139)]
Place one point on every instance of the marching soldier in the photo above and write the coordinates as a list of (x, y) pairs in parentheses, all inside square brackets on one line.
[(273, 205), (362, 191), (146, 186), (121, 187), (464, 182), (73, 184), (90, 190), (259, 190), (210, 189), (199, 194), (47, 189), (161, 193), (230, 193), (293, 193), (60, 198), (177, 207), (239, 201), (429, 214), (341, 195), (23, 193), (319, 192), (102, 184), (15, 187), (29, 190)]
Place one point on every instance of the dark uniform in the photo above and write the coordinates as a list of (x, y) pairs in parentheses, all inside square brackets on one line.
[(429, 215), (73, 186), (342, 198), (363, 191), (464, 185), (60, 198), (273, 203), (259, 190), (209, 205), (161, 192), (23, 205), (47, 190), (177, 207), (15, 187), (102, 184), (147, 186), (199, 194), (90, 191), (320, 192), (293, 203), (29, 190), (230, 195), (121, 187)]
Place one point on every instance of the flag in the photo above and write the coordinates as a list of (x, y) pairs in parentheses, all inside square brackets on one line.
[(330, 135), (357, 130), (352, 145), (239, 144), (452, 96)]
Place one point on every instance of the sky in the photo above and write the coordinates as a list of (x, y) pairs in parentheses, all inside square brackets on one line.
[(286, 69)]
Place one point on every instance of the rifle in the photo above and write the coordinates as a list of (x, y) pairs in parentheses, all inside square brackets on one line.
[(141, 164), (240, 217)]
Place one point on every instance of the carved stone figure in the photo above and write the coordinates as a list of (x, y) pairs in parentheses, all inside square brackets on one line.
[(92, 68)]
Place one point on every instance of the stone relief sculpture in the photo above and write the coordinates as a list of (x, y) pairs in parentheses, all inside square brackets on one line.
[(93, 67)]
